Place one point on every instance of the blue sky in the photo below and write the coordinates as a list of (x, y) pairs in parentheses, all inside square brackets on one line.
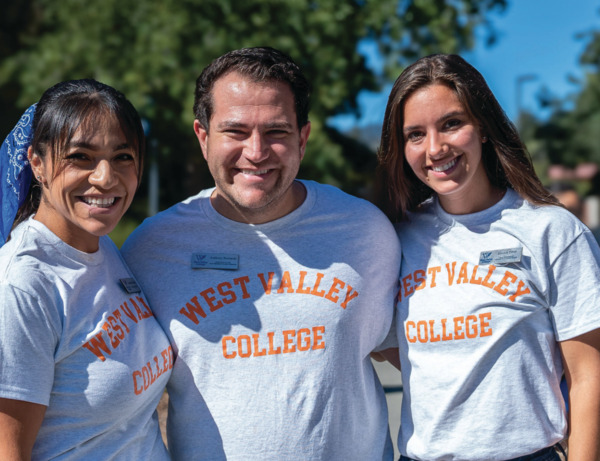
[(536, 38)]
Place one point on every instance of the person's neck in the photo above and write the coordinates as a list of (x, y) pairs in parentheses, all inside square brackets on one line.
[(294, 197), (474, 204)]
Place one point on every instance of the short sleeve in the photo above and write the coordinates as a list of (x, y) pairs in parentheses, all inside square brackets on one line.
[(575, 288), (28, 340)]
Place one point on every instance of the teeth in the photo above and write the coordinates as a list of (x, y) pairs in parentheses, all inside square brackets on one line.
[(447, 166), (99, 202), (255, 172)]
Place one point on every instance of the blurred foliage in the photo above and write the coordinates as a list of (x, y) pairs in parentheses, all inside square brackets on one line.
[(153, 51), (529, 126), (570, 135)]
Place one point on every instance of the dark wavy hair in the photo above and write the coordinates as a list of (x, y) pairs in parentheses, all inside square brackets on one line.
[(67, 106), (505, 157), (260, 64)]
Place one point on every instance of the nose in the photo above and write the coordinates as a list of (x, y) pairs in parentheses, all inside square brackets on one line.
[(256, 149), (103, 175), (435, 144)]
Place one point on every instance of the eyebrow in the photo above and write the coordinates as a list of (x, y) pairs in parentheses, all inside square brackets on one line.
[(87, 145), (443, 118), (271, 125)]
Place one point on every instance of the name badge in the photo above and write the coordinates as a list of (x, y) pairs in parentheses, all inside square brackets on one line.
[(500, 257), (215, 261), (130, 285)]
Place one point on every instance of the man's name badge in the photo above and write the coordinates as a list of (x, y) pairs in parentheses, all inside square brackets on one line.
[(500, 257), (130, 285), (215, 261)]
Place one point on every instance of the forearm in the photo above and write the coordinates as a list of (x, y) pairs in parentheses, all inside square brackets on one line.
[(581, 358), (14, 445), (391, 355), (584, 421)]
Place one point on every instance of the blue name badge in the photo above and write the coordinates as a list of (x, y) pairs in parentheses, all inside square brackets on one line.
[(215, 261), (501, 257)]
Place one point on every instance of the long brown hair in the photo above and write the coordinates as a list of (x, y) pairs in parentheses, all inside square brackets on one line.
[(505, 157)]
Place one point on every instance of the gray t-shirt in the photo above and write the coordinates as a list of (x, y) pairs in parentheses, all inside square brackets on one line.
[(484, 300), (272, 326), (73, 339)]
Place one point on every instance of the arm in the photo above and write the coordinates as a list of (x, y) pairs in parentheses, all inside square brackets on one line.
[(391, 355), (19, 424), (581, 358)]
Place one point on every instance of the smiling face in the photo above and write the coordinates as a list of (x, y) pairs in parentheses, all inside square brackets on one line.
[(443, 146), (253, 149), (85, 194)]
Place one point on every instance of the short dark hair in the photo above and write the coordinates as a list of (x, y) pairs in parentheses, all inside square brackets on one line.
[(260, 64), (65, 107), (505, 158)]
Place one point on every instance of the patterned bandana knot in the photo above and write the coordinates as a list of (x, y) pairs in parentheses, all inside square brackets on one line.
[(15, 171)]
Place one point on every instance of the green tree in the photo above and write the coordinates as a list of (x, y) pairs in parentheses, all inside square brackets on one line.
[(153, 50), (569, 136)]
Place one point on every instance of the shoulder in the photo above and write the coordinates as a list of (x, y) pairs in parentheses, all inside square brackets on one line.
[(348, 216), (550, 222), (25, 259), (156, 228), (331, 198), (110, 252), (29, 283), (548, 231), (30, 287)]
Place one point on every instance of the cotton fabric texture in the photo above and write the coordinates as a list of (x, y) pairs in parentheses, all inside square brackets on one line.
[(73, 339), (481, 365), (273, 356)]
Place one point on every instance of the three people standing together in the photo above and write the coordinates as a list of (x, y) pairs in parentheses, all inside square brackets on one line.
[(274, 291)]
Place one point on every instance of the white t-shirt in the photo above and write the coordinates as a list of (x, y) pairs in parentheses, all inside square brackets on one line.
[(272, 326), (484, 300), (73, 339)]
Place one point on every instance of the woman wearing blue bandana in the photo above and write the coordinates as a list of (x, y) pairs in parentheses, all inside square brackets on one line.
[(83, 362)]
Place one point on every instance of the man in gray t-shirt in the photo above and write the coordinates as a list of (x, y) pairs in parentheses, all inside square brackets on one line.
[(273, 291)]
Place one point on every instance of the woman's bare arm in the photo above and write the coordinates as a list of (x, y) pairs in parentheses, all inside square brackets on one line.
[(19, 424)]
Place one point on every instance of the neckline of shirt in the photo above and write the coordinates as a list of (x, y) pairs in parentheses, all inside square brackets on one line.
[(65, 249), (480, 217), (240, 227)]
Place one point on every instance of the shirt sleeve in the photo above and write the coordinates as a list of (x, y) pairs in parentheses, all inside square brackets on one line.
[(575, 288), (28, 340)]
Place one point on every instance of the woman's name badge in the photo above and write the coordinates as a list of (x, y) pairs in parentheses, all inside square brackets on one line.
[(500, 257), (215, 261), (130, 285)]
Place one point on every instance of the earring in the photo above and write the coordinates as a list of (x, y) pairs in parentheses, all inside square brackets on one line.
[(484, 139)]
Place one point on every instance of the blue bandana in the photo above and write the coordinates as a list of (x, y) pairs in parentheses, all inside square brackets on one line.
[(15, 171)]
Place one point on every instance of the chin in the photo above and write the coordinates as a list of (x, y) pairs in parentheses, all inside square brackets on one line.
[(100, 231), (255, 202)]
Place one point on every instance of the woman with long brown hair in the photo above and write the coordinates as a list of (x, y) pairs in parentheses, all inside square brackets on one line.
[(499, 288)]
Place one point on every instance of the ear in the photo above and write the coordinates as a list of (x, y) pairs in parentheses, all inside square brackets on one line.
[(483, 135), (304, 133), (37, 165), (202, 135)]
